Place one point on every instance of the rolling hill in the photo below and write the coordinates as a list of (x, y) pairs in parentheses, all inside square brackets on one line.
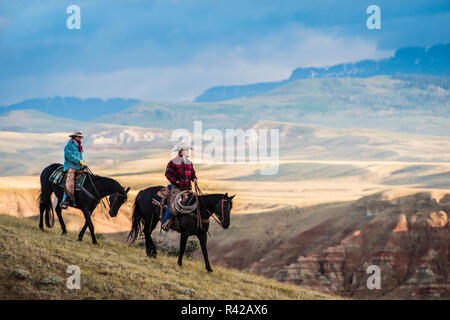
[(36, 122), (409, 104), (71, 107), (402, 104), (25, 153)]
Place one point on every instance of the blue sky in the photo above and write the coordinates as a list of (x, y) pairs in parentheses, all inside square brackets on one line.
[(173, 50)]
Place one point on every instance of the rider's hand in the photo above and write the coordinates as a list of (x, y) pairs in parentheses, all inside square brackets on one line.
[(84, 164)]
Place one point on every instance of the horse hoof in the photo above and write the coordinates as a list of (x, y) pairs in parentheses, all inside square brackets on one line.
[(152, 255), (80, 239), (210, 270), (42, 228), (64, 233)]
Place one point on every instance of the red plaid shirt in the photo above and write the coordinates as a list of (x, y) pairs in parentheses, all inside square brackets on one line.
[(180, 174)]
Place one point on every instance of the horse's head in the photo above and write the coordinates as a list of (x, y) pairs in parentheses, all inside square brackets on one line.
[(223, 210), (116, 200)]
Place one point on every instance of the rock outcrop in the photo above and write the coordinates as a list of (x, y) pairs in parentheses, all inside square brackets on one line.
[(406, 237)]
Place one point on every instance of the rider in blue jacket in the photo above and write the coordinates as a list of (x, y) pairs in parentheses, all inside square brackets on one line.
[(73, 165)]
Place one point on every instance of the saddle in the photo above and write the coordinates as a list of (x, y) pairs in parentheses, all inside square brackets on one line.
[(163, 194), (160, 200), (57, 177)]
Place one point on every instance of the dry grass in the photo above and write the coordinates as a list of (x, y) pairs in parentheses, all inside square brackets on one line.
[(114, 270)]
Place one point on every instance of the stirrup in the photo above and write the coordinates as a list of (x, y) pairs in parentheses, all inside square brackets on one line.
[(166, 225), (64, 205)]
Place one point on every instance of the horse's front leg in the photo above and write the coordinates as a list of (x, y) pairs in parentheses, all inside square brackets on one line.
[(83, 230), (60, 218), (202, 237), (183, 241), (87, 217)]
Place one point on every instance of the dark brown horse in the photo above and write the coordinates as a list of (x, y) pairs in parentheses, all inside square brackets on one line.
[(146, 216), (97, 188)]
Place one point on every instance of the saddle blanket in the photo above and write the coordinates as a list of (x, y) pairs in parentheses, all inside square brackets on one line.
[(57, 178)]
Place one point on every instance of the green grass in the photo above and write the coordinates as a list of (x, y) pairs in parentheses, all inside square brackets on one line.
[(114, 270)]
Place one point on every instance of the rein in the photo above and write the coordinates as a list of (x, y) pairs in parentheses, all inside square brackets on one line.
[(197, 192), (98, 194), (199, 216)]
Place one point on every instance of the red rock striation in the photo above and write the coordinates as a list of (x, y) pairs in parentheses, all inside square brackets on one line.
[(406, 237)]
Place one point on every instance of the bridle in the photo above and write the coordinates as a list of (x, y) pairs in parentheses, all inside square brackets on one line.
[(222, 218), (218, 219), (215, 216), (116, 194)]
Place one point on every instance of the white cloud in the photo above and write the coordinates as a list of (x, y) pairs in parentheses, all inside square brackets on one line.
[(269, 58)]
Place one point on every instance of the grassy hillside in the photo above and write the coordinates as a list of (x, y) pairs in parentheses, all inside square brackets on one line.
[(34, 267)]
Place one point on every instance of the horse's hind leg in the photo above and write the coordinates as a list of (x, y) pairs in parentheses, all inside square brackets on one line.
[(44, 202), (41, 216), (150, 247)]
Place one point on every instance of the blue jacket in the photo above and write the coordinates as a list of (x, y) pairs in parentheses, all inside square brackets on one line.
[(72, 155)]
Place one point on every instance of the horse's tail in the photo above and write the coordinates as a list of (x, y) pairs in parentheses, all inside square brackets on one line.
[(137, 224), (45, 204), (44, 199)]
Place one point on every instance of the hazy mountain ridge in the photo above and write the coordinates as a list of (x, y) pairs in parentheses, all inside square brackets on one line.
[(73, 108), (411, 60)]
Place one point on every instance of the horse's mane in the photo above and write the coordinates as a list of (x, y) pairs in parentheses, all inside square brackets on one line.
[(108, 181), (208, 197)]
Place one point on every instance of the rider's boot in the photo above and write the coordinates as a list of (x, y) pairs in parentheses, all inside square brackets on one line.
[(65, 202), (166, 225), (167, 220)]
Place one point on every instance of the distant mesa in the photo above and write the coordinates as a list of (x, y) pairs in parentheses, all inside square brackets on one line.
[(414, 60)]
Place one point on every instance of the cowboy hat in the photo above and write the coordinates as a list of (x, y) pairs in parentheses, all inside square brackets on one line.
[(76, 133), (182, 146)]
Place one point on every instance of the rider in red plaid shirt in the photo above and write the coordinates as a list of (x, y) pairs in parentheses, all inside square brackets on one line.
[(180, 172)]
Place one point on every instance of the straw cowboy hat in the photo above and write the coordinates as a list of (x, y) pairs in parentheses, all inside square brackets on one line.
[(76, 133), (182, 146)]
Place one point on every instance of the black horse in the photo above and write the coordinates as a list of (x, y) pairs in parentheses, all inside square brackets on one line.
[(85, 202), (146, 216)]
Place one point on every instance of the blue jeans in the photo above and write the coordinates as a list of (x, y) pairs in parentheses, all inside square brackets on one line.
[(167, 214)]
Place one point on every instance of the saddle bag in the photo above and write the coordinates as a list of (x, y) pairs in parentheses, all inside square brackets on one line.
[(57, 177)]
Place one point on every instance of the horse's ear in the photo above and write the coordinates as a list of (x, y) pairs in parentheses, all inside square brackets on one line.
[(226, 195), (232, 196), (128, 189)]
